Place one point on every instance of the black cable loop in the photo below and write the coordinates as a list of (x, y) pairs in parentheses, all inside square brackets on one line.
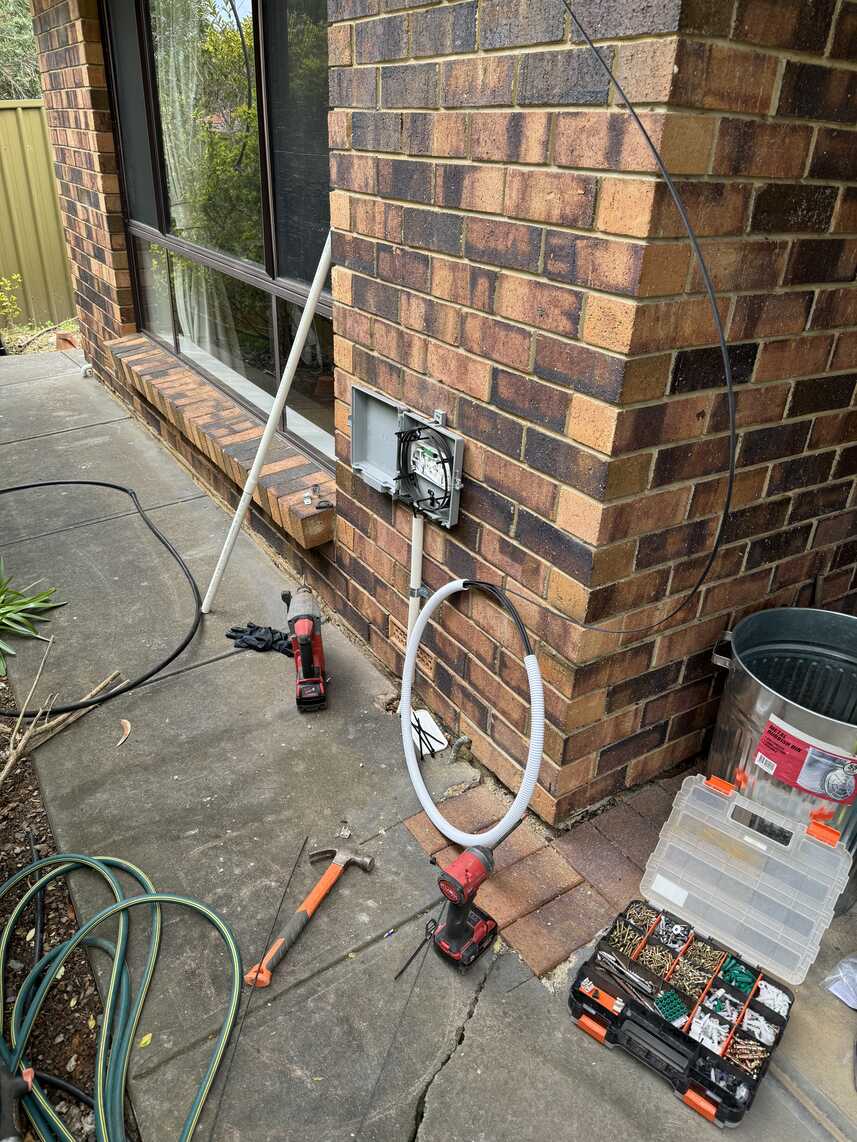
[(126, 687)]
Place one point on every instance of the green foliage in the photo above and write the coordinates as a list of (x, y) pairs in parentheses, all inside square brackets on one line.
[(19, 70), (10, 309), (19, 614)]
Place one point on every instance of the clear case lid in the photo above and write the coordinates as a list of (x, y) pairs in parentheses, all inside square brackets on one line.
[(757, 881)]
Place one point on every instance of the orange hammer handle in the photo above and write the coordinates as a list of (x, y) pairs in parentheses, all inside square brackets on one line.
[(259, 974), (330, 876)]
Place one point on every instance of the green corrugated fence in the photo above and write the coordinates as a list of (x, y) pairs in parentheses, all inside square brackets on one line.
[(31, 236)]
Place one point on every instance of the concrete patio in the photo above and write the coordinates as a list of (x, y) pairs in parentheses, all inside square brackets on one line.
[(213, 793)]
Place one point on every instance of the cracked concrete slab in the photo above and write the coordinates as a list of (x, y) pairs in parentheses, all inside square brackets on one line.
[(86, 454), (524, 1071), (346, 1055)]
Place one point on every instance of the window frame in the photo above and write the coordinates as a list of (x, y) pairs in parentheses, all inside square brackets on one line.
[(262, 277)]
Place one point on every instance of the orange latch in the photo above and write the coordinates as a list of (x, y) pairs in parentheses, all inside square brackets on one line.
[(724, 787), (825, 833), (701, 1105), (592, 1027)]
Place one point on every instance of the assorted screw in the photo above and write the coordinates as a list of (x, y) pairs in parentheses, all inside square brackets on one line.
[(703, 955), (624, 938), (758, 1026), (672, 1007), (773, 998), (671, 933), (669, 949), (688, 978), (747, 1054), (723, 1004), (643, 915), (656, 958), (738, 975), (708, 1030)]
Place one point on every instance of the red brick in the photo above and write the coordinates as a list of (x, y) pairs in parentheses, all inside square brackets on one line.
[(794, 357), (761, 150), (496, 340), (467, 187), (526, 885), (560, 197), (610, 140), (547, 937), (473, 812), (510, 136), (598, 860), (459, 371), (536, 303), (480, 81)]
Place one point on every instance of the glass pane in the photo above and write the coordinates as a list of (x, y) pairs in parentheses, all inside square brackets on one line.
[(207, 96), (225, 329), (133, 125), (153, 282), (309, 409), (296, 50)]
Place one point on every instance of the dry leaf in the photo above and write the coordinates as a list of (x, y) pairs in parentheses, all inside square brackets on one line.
[(73, 1001), (126, 730), (90, 1023), (146, 1040)]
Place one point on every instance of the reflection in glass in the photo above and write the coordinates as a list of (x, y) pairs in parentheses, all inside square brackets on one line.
[(154, 288), (207, 96), (309, 408), (296, 43), (225, 329)]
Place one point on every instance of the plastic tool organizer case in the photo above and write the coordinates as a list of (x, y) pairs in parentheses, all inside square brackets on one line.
[(690, 979)]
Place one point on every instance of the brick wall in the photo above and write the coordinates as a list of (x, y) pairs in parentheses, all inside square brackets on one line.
[(71, 61), (504, 252)]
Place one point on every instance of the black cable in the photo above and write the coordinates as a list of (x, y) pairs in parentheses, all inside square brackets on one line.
[(501, 596), (66, 1087), (86, 703), (721, 335), (406, 438)]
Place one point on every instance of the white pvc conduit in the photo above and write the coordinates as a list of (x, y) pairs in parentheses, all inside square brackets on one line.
[(518, 807)]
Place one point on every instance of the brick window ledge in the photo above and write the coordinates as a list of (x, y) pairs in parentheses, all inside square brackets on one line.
[(228, 435)]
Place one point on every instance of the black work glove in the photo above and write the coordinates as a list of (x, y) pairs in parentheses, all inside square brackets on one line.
[(253, 637)]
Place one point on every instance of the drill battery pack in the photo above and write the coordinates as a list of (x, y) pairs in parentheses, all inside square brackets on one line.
[(464, 949), (690, 978)]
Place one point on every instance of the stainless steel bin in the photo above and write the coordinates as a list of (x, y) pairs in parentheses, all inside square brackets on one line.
[(786, 730)]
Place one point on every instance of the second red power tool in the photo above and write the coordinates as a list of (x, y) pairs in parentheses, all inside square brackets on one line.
[(467, 931), (304, 617)]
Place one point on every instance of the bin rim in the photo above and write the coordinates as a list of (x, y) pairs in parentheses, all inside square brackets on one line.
[(847, 619)]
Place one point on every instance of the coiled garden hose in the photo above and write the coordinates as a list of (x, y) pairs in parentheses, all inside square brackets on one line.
[(494, 835), (122, 1006)]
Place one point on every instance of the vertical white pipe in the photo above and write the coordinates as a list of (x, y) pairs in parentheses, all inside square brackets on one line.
[(274, 418), (416, 580)]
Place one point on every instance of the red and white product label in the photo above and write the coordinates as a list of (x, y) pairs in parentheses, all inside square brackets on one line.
[(806, 763)]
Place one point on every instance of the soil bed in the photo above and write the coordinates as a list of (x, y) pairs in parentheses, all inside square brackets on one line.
[(64, 1037)]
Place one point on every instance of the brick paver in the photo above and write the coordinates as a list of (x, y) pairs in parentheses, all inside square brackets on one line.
[(547, 937)]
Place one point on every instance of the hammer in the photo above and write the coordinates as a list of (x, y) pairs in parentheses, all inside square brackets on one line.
[(260, 974)]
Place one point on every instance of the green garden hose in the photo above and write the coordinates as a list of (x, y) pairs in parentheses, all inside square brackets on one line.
[(122, 1007)]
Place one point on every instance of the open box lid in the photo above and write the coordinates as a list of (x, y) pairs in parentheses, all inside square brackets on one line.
[(757, 881)]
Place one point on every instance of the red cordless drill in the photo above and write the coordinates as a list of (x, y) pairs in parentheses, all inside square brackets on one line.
[(467, 931), (305, 631)]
